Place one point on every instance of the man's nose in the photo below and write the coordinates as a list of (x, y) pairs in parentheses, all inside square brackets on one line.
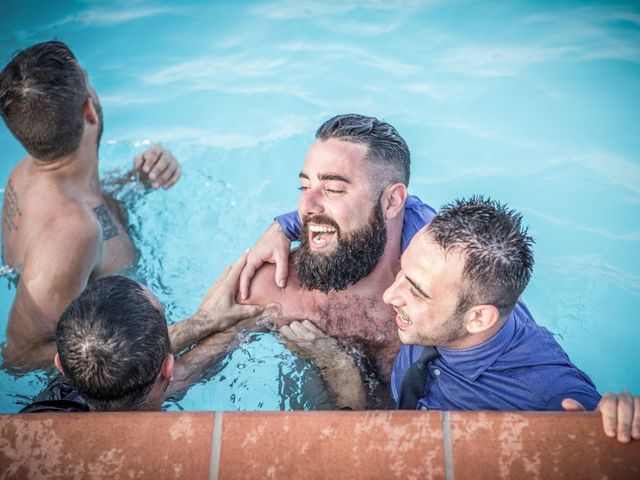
[(311, 202), (390, 295)]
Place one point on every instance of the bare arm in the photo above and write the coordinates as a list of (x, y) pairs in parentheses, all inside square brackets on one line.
[(190, 367), (339, 370), (272, 247), (217, 312), (56, 269)]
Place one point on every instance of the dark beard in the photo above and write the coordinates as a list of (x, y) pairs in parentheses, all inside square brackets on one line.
[(353, 259)]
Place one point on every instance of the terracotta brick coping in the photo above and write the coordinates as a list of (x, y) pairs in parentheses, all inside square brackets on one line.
[(322, 445)]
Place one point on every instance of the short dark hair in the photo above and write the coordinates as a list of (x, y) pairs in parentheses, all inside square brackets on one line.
[(387, 149), (112, 342), (42, 93), (498, 252)]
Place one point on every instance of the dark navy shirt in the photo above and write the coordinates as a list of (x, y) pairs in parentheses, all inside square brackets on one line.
[(522, 367)]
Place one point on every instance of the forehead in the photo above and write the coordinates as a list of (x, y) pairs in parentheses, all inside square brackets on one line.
[(336, 157), (435, 270)]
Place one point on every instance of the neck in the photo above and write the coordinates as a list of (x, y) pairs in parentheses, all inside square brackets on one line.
[(389, 263), (79, 168), (475, 339)]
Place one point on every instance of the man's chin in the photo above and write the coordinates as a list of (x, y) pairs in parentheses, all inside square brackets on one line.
[(405, 337)]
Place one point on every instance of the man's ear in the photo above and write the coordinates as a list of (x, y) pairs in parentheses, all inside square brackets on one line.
[(90, 112), (393, 198), (480, 318), (58, 363), (166, 371)]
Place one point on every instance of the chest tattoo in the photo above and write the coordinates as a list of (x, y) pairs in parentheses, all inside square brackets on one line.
[(109, 229), (11, 208)]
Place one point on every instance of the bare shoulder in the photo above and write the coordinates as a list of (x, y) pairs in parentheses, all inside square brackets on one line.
[(263, 286), (64, 235)]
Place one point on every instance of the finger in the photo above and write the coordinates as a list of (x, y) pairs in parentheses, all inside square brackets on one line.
[(571, 405), (174, 178), (159, 167), (236, 269), (300, 330), (625, 414), (311, 327), (282, 270), (285, 331), (250, 311), (636, 419), (608, 407), (168, 173), (247, 274), (150, 156), (137, 162)]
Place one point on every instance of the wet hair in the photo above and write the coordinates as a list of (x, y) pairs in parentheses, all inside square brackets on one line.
[(498, 252), (42, 93), (387, 149), (112, 342)]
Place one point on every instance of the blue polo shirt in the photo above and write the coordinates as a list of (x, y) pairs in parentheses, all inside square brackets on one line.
[(521, 367)]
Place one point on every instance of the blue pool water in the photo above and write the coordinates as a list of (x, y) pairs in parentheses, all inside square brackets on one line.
[(533, 103)]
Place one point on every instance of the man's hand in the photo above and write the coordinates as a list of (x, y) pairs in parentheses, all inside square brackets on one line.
[(273, 247), (219, 306), (338, 369), (158, 167), (620, 415)]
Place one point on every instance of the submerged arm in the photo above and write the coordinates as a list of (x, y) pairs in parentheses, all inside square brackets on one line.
[(338, 369)]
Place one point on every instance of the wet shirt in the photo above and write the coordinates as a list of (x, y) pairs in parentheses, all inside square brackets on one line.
[(522, 367)]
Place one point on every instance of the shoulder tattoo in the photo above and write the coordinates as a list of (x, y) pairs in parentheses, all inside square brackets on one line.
[(109, 229), (10, 206)]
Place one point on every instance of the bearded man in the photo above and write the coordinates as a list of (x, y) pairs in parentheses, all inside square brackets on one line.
[(353, 190)]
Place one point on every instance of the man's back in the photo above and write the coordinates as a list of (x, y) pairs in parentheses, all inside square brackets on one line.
[(58, 234)]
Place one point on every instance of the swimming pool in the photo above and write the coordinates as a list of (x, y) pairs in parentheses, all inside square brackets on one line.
[(531, 103)]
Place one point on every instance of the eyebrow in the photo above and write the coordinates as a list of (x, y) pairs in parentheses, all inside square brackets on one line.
[(415, 285), (327, 177)]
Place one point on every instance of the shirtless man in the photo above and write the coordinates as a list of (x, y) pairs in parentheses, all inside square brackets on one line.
[(353, 191), (60, 230)]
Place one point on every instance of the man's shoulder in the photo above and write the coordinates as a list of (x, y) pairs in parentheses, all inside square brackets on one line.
[(61, 233), (264, 290), (68, 221)]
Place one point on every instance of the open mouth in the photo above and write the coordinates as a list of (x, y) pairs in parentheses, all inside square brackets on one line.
[(402, 320), (321, 236)]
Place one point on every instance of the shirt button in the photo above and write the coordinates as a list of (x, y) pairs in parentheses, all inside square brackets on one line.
[(436, 372)]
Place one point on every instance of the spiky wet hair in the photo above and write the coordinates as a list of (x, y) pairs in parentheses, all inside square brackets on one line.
[(497, 249), (112, 342)]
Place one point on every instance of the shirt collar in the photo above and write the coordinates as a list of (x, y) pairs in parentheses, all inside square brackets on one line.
[(472, 362)]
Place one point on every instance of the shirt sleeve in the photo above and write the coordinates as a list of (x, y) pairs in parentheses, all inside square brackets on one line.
[(589, 399), (416, 215), (290, 225)]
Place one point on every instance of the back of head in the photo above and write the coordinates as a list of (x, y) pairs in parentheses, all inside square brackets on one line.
[(112, 341), (388, 151), (498, 252), (42, 93)]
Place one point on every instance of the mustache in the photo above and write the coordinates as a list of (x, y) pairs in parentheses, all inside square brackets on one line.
[(321, 220)]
